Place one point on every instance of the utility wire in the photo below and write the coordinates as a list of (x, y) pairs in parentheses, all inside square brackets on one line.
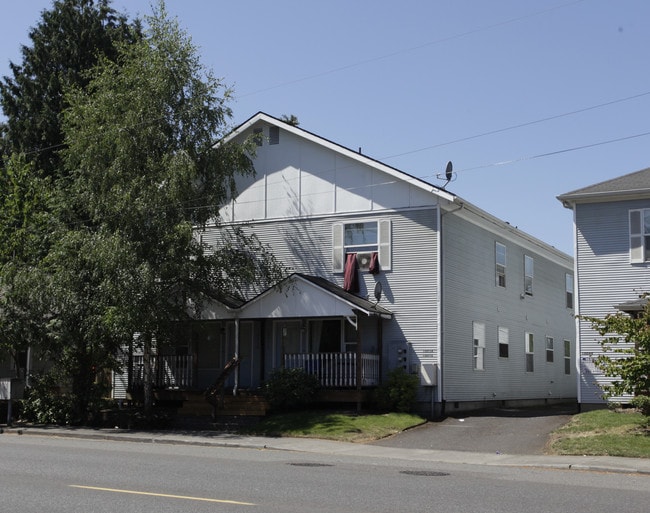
[(407, 50), (520, 125), (557, 152)]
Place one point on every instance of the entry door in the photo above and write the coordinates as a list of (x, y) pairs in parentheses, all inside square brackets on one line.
[(287, 339)]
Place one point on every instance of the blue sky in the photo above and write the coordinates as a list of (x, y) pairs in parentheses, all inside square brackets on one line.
[(529, 99)]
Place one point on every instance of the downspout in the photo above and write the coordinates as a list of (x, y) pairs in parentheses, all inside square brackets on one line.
[(236, 385), (576, 305), (439, 306)]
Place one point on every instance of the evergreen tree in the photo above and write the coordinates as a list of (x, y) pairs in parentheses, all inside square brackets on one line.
[(68, 41)]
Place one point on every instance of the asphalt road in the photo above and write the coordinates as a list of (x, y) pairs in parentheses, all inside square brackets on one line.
[(61, 475), (504, 431)]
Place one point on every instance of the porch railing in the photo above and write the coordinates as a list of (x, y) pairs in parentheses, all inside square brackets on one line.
[(336, 369), (168, 371)]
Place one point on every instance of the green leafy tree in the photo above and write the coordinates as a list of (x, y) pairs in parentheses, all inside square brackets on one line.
[(144, 174), (626, 352), (68, 40), (24, 229)]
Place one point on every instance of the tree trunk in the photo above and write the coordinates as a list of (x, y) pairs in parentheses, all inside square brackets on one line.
[(148, 379)]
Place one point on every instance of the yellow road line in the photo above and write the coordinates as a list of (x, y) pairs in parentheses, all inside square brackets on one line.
[(151, 494)]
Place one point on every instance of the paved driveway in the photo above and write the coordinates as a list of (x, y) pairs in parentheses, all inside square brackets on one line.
[(502, 430)]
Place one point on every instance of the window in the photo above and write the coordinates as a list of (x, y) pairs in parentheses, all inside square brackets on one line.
[(530, 353), (500, 259), (567, 357), (640, 235), (363, 238), (529, 265), (478, 329), (568, 278), (358, 237), (503, 342), (549, 349)]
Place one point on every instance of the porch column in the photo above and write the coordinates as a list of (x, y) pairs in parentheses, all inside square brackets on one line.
[(359, 364), (380, 345)]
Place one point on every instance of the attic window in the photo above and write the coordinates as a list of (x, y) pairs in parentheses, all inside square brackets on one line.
[(274, 135)]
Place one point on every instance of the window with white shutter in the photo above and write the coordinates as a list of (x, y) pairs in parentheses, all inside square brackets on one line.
[(363, 238), (639, 236), (337, 248)]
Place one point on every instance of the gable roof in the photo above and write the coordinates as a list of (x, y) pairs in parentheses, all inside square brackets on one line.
[(355, 155), (631, 186), (363, 305), (450, 202), (302, 295)]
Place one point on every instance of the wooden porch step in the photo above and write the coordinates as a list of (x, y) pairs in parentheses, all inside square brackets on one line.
[(243, 405), (253, 405), (343, 395)]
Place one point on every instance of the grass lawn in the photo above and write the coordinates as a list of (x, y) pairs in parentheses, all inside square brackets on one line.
[(341, 426), (604, 433), (595, 433)]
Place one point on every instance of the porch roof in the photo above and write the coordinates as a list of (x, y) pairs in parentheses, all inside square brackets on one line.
[(634, 307), (367, 307), (301, 295)]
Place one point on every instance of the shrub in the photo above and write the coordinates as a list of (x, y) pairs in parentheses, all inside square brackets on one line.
[(642, 403), (398, 393), (46, 402), (290, 389)]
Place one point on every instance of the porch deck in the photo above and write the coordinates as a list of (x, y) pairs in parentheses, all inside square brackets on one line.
[(333, 370)]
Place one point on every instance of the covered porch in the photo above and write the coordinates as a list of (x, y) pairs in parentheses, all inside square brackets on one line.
[(313, 324), (306, 322)]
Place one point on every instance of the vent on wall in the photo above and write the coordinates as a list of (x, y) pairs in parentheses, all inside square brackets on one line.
[(274, 135)]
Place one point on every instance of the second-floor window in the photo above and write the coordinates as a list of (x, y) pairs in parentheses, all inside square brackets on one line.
[(362, 238), (640, 235)]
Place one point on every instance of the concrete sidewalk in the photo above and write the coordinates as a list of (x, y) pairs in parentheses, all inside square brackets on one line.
[(317, 446)]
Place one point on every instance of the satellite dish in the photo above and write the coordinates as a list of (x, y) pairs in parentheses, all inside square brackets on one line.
[(378, 290), (449, 171)]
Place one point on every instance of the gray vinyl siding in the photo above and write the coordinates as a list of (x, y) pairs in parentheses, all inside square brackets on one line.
[(410, 288), (470, 293), (605, 278)]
